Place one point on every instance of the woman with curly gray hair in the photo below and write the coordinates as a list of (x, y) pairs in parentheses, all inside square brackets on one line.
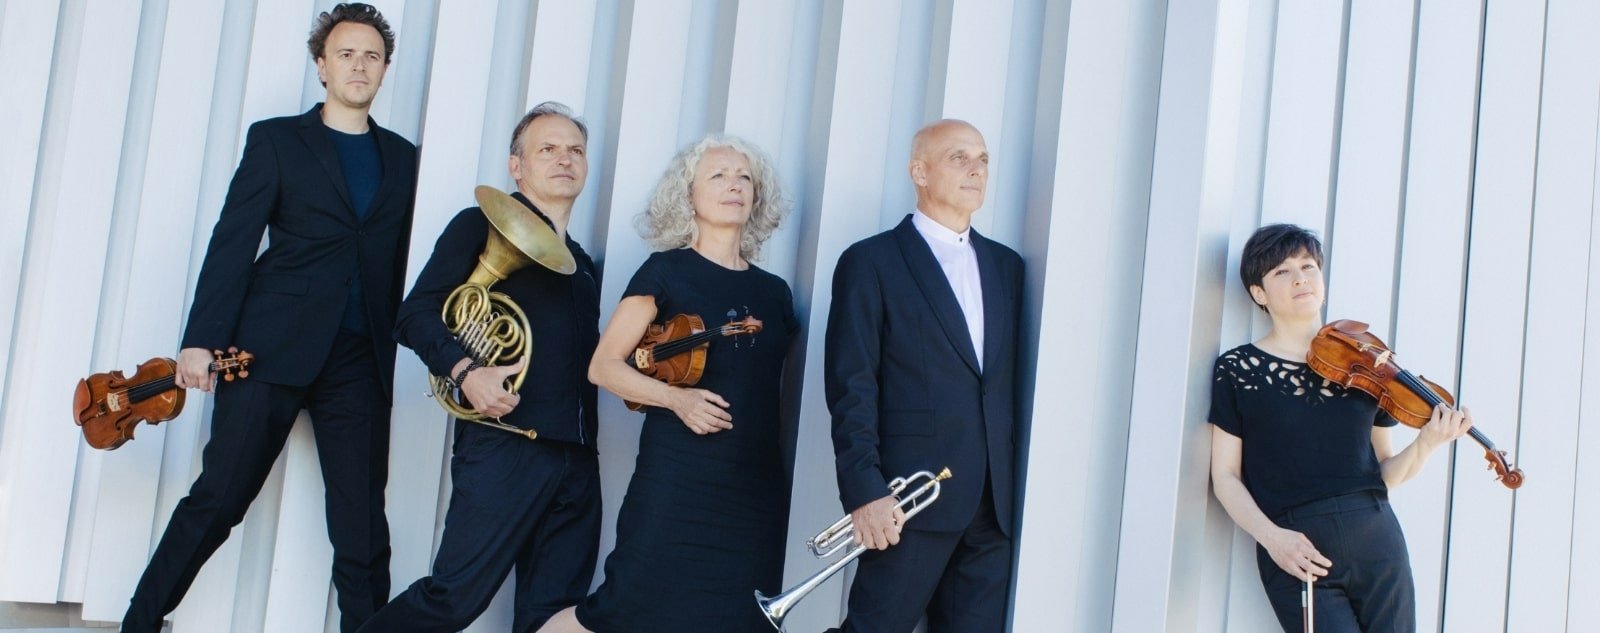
[(705, 517)]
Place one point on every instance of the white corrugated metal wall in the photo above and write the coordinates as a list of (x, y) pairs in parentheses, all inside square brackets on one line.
[(1445, 148)]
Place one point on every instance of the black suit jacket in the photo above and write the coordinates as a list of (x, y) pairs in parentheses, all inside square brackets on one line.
[(286, 305), (902, 377)]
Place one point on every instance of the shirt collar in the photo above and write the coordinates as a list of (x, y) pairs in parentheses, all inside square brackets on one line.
[(931, 229)]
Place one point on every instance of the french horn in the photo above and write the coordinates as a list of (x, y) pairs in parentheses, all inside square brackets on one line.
[(489, 325)]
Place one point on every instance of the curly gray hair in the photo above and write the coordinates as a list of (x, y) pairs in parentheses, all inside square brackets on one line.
[(668, 222)]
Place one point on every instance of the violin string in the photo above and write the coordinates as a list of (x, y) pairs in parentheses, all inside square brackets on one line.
[(674, 347), (1433, 399), (146, 389)]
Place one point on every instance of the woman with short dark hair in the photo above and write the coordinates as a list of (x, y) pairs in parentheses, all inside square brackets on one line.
[(1305, 465)]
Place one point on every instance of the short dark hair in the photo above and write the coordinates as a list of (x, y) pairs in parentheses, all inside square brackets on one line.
[(1269, 246), (358, 12), (544, 109)]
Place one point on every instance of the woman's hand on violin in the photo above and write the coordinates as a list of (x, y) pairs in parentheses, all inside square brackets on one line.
[(485, 388), (1295, 554), (702, 411), (1445, 426), (194, 369)]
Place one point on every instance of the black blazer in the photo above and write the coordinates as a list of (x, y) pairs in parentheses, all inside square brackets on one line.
[(902, 378), (286, 305)]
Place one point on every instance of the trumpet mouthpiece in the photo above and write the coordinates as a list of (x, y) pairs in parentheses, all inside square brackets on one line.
[(943, 474)]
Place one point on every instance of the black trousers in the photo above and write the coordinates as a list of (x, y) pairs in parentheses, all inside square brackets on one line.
[(350, 418), (959, 579), (1369, 587), (533, 506)]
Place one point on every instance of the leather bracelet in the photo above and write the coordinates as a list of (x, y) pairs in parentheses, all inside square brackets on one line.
[(461, 378)]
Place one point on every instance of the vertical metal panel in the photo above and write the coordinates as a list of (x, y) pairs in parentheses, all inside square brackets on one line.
[(974, 83), (302, 557), (419, 430), (61, 288), (1371, 164), (1496, 298), (1432, 267), (152, 322), (1158, 560), (1012, 186), (850, 121), (759, 104), (1581, 606), (27, 50), (647, 137), (916, 74), (1542, 531), (560, 64), (558, 67), (1246, 607), (1104, 102), (272, 88), (119, 270), (1303, 124), (394, 11)]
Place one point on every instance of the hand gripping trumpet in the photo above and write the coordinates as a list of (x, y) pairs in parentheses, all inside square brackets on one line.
[(830, 541), (489, 325)]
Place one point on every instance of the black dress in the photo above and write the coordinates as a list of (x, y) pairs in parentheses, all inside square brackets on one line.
[(705, 517)]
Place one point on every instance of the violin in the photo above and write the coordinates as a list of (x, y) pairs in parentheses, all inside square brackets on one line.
[(109, 405), (1346, 353), (675, 352)]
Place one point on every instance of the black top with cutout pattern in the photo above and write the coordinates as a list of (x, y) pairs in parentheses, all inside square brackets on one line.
[(1304, 438)]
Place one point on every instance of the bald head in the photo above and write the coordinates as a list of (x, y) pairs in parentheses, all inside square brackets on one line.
[(933, 133), (950, 169)]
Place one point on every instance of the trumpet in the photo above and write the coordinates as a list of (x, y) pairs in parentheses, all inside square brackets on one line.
[(833, 539)]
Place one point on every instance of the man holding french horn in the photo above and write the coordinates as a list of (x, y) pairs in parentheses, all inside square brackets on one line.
[(919, 369), (509, 350)]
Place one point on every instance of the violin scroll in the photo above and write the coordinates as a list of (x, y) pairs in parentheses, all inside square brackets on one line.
[(233, 363), (747, 325), (1505, 473)]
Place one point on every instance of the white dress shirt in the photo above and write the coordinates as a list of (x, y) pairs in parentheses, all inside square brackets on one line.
[(960, 263)]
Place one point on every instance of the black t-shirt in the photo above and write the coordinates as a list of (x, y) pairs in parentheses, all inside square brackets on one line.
[(746, 369), (1304, 438), (363, 172)]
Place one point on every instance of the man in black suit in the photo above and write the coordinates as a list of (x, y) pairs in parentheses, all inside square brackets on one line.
[(920, 374), (334, 194)]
